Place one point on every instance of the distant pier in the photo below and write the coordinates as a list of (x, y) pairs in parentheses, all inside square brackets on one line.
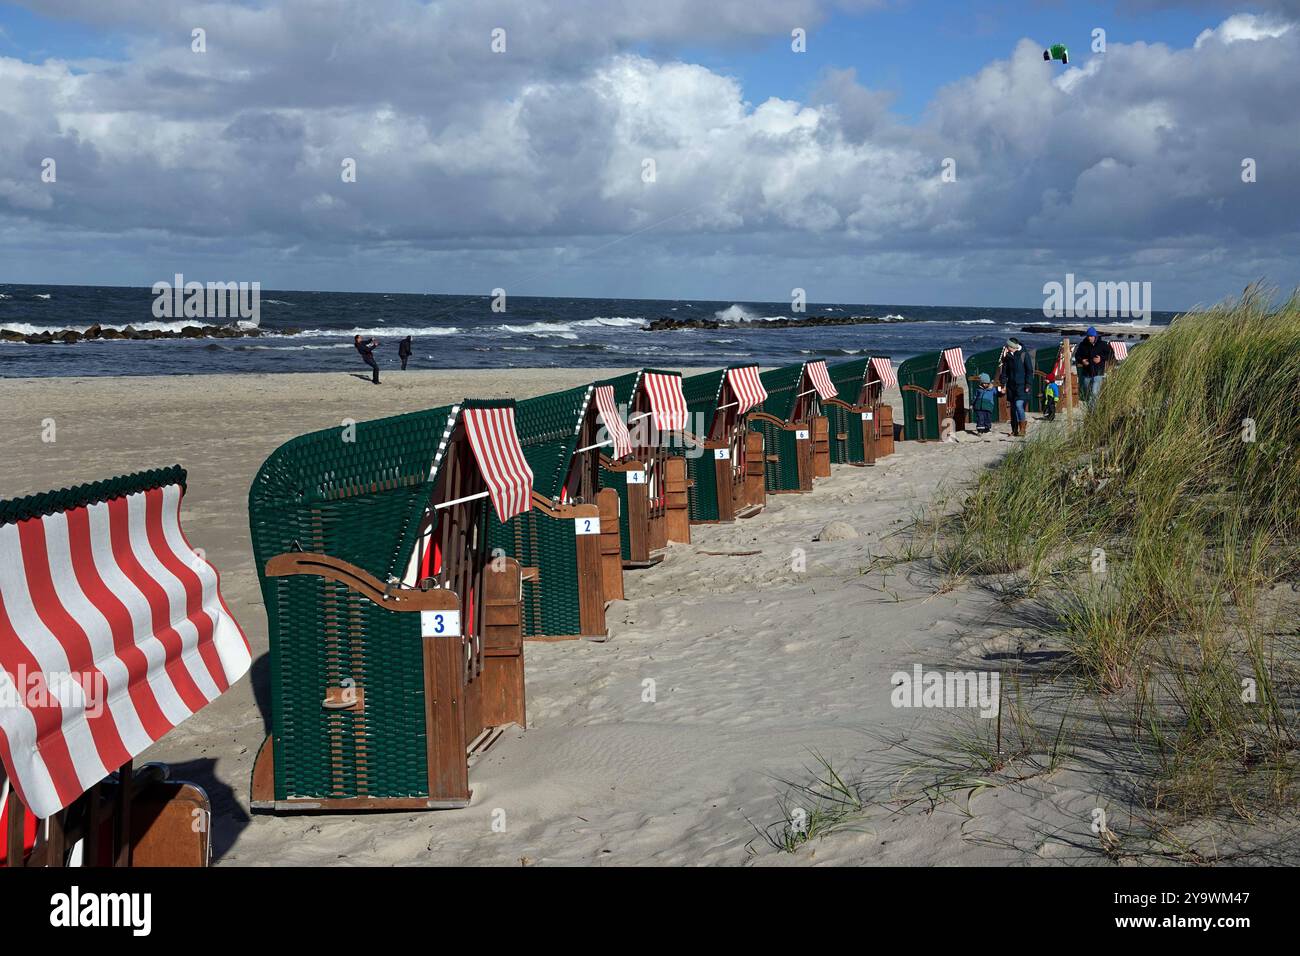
[(1141, 332)]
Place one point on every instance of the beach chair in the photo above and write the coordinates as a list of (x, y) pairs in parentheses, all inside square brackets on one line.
[(651, 479), (931, 385), (726, 481), (796, 435), (562, 542), (396, 635), (861, 423), (112, 632)]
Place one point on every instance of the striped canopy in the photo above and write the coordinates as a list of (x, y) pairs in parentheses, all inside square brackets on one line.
[(956, 363), (821, 379), (667, 402), (112, 632), (613, 421), (885, 371), (747, 386), (495, 444), (1119, 350)]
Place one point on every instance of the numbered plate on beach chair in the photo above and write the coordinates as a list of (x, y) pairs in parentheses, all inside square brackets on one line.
[(801, 434), (721, 454), (440, 623), (635, 477), (587, 525)]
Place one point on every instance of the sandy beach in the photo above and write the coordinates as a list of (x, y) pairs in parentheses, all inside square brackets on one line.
[(760, 662)]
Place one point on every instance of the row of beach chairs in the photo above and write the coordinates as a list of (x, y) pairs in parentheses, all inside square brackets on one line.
[(403, 563)]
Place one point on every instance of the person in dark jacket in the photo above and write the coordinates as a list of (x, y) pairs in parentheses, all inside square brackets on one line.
[(1091, 356), (367, 351), (404, 351), (1017, 374)]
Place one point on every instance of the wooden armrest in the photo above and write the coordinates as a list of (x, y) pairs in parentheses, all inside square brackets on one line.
[(361, 581), (570, 512)]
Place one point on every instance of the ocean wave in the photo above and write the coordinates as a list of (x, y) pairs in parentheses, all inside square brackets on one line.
[(616, 322), (976, 322), (277, 302), (394, 333), (290, 348), (41, 295), (26, 328)]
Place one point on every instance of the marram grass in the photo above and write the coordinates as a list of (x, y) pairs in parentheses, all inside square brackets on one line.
[(1162, 534)]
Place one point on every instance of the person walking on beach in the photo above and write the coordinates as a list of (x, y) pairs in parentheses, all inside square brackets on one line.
[(1017, 378), (986, 403), (367, 350), (1091, 356), (404, 351)]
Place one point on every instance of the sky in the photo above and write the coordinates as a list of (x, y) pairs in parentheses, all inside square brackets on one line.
[(912, 152)]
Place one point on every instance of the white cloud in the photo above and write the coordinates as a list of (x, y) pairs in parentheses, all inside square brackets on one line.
[(461, 152)]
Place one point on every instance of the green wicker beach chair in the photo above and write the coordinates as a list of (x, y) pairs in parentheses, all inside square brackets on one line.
[(651, 480), (726, 481), (861, 422), (396, 644), (796, 433), (933, 394), (558, 543)]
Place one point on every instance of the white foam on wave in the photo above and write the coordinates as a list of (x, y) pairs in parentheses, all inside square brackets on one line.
[(393, 333), (26, 328), (41, 295), (977, 322)]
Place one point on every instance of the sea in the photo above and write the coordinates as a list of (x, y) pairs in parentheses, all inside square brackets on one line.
[(463, 331)]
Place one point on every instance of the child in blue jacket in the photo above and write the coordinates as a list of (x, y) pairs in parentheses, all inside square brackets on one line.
[(986, 403)]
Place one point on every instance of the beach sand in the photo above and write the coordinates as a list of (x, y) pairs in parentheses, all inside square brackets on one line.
[(757, 663)]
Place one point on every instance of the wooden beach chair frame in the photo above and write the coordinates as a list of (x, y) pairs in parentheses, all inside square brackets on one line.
[(568, 544), (651, 482), (861, 422), (932, 394), (396, 636), (726, 481), (134, 816), (796, 435)]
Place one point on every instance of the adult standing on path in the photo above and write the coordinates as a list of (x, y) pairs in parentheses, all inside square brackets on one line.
[(1092, 355), (367, 350), (404, 351), (1017, 378)]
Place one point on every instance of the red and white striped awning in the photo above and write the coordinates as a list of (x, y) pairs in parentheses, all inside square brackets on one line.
[(112, 632), (1119, 350), (500, 458), (821, 379), (667, 401), (956, 363), (885, 372), (747, 386), (613, 421)]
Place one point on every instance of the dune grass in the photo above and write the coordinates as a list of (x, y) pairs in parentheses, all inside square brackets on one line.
[(1162, 536)]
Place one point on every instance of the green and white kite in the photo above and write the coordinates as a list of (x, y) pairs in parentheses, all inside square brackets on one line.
[(1057, 51)]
